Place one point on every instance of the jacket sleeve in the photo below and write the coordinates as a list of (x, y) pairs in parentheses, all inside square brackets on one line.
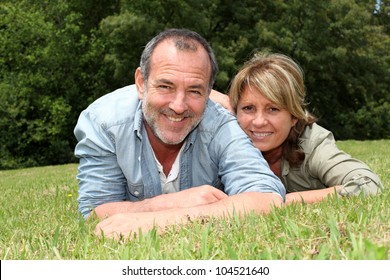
[(334, 167)]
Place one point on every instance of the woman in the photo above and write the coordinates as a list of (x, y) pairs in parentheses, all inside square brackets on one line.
[(268, 97)]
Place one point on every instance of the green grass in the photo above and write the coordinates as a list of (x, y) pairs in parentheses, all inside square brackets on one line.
[(39, 220)]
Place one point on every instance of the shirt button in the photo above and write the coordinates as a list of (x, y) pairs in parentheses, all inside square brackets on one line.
[(136, 193)]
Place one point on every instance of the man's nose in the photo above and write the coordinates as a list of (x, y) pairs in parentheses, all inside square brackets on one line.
[(179, 102)]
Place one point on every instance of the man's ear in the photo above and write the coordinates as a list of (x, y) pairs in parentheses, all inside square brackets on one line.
[(139, 83)]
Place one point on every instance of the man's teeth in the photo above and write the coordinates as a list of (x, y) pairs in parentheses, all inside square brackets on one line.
[(175, 119)]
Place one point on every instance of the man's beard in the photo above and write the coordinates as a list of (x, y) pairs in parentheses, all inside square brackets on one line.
[(151, 117)]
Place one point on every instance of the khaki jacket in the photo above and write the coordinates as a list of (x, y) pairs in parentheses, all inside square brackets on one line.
[(326, 166)]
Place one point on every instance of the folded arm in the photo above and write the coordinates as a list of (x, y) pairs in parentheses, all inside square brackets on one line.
[(340, 173), (196, 196), (357, 185), (128, 224)]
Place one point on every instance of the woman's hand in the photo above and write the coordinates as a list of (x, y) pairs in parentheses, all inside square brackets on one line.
[(221, 99)]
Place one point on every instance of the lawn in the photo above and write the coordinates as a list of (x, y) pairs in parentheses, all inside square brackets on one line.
[(39, 221)]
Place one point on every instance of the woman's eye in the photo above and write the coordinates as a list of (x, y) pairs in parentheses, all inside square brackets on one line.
[(248, 108), (274, 109)]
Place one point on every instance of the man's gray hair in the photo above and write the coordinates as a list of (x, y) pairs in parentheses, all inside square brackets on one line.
[(184, 40)]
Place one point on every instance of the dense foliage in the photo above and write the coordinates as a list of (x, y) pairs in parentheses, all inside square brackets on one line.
[(57, 56)]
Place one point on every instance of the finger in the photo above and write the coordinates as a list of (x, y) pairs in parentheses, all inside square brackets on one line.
[(101, 228), (220, 194), (99, 231), (107, 233)]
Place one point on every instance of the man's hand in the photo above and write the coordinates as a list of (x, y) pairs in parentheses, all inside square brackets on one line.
[(197, 196), (191, 197), (176, 205), (125, 225)]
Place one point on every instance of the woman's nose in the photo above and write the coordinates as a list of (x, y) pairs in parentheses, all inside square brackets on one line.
[(260, 119)]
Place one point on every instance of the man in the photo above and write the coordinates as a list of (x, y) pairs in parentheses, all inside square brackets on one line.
[(160, 152)]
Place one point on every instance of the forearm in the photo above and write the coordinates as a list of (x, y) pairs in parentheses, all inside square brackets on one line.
[(127, 224), (311, 196), (158, 203), (201, 195), (239, 204), (111, 208)]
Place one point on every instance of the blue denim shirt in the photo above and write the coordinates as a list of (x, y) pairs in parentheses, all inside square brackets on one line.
[(117, 162)]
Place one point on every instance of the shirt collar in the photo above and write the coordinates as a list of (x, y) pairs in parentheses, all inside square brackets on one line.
[(138, 120)]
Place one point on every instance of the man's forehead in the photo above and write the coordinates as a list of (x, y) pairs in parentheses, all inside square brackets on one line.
[(187, 45)]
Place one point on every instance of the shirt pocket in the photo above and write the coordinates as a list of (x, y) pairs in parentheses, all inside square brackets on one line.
[(135, 192)]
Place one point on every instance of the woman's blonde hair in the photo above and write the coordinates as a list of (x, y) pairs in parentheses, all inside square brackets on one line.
[(280, 79)]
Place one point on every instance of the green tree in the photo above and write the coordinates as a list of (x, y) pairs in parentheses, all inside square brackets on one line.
[(345, 58), (227, 24), (57, 56), (49, 71)]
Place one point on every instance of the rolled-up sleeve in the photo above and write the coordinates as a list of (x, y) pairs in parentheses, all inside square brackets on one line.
[(335, 167), (242, 166), (100, 178)]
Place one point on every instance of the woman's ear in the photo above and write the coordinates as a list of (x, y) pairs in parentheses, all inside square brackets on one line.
[(294, 121)]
